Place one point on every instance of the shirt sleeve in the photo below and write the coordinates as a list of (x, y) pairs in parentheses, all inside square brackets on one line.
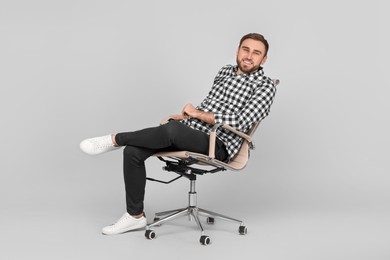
[(256, 109)]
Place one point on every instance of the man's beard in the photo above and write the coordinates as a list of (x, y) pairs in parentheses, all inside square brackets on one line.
[(244, 69)]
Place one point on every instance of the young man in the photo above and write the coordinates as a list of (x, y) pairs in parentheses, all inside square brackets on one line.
[(241, 95)]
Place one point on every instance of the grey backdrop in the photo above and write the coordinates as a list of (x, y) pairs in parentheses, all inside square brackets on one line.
[(317, 186)]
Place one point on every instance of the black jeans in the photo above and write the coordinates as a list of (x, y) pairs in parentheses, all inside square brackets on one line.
[(140, 145)]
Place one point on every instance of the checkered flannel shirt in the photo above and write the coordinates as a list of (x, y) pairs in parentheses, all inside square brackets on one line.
[(236, 100)]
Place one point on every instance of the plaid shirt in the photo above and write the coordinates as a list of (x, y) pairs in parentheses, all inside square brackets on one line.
[(237, 100)]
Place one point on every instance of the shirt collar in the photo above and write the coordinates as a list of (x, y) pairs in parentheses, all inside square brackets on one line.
[(252, 76)]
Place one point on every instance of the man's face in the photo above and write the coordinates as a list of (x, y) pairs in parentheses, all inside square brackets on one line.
[(250, 56)]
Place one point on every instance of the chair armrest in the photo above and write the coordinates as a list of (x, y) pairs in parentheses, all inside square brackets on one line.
[(213, 136), (239, 133)]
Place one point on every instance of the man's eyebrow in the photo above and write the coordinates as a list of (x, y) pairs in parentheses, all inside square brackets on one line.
[(246, 47)]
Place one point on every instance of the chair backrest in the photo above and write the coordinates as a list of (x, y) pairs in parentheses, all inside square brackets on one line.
[(240, 160)]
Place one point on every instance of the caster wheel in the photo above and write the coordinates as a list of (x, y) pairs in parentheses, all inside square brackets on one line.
[(210, 220), (205, 240), (242, 230), (150, 234)]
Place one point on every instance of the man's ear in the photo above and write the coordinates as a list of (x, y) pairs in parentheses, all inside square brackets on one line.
[(264, 60)]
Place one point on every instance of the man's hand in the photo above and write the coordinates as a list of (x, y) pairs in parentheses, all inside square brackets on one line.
[(189, 111), (177, 117)]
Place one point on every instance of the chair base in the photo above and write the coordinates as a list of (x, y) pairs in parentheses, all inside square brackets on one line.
[(193, 212)]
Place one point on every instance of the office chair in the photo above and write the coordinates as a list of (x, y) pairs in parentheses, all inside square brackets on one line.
[(184, 164)]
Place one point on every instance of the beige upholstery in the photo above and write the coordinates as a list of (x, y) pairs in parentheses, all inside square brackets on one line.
[(237, 163)]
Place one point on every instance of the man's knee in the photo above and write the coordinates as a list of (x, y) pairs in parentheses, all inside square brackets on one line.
[(133, 153), (137, 155)]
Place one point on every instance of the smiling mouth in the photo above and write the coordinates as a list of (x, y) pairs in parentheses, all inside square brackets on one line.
[(247, 62)]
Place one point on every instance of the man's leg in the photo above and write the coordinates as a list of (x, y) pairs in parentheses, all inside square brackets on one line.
[(134, 174), (135, 180), (173, 136), (140, 145)]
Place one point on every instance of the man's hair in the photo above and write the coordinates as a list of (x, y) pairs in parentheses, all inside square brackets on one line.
[(256, 37)]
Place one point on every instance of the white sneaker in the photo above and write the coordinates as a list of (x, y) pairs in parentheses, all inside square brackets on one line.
[(124, 224), (98, 145)]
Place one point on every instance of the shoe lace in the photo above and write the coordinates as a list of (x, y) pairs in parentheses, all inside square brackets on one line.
[(122, 219)]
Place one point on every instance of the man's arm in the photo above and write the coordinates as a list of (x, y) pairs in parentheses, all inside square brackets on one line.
[(255, 109), (190, 111)]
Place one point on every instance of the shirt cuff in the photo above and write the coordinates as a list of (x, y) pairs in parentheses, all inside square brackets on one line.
[(218, 118)]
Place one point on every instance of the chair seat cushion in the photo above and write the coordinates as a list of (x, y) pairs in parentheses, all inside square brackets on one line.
[(236, 164)]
